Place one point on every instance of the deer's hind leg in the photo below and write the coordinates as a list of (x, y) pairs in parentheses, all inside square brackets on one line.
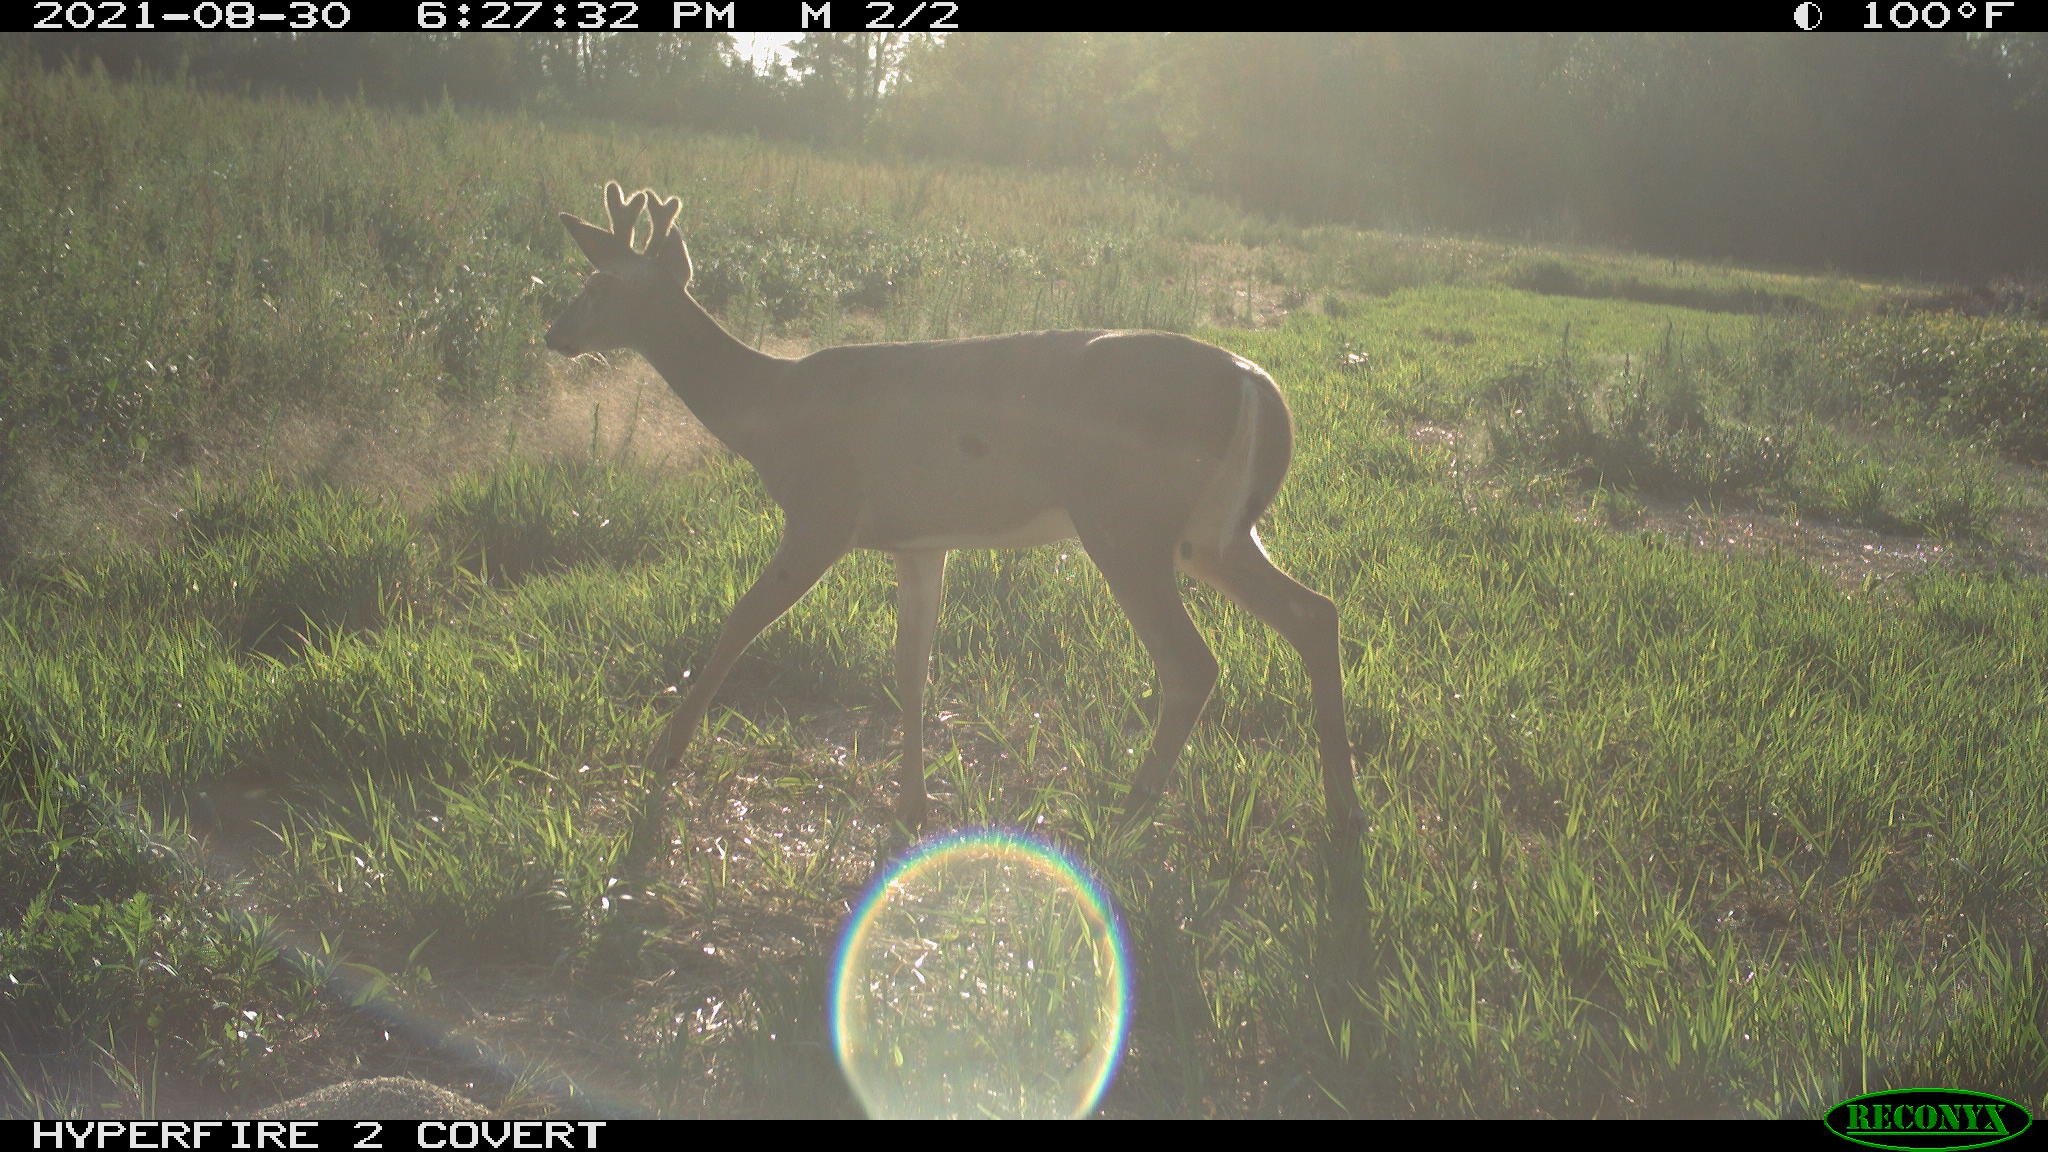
[(1142, 576), (1307, 619)]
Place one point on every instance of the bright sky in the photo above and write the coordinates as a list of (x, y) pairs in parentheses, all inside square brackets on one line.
[(763, 46)]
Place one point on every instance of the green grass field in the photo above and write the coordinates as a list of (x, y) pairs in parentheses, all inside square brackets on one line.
[(310, 776)]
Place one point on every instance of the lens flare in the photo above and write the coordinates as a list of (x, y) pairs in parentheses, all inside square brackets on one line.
[(983, 976)]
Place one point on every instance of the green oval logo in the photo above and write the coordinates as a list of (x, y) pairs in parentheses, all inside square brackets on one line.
[(1924, 1119)]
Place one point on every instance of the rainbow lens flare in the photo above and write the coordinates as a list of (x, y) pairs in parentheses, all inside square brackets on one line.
[(983, 976)]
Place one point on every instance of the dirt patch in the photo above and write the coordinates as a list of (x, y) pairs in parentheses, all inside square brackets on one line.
[(1231, 276), (1433, 435), (1856, 559), (385, 1097)]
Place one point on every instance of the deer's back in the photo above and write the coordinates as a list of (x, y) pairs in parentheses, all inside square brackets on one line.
[(992, 442)]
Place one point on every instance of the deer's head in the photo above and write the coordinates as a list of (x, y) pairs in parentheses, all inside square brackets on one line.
[(630, 293)]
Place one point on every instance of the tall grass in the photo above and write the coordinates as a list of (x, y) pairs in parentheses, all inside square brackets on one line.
[(176, 257), (1655, 833)]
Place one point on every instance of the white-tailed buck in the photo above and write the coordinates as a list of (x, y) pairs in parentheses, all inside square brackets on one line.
[(1158, 451)]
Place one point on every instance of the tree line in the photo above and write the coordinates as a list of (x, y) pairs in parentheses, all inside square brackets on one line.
[(1898, 154)]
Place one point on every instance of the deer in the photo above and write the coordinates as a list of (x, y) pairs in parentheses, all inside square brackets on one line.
[(1158, 452)]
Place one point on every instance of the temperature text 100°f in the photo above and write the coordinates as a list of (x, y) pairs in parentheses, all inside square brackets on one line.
[(1933, 15)]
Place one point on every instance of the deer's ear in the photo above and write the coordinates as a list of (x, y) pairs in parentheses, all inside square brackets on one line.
[(601, 245), (671, 256)]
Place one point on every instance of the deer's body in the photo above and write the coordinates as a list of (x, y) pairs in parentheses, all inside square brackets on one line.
[(1004, 471), (1157, 451)]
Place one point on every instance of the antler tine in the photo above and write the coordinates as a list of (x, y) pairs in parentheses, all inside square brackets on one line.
[(614, 202), (663, 213), (625, 213)]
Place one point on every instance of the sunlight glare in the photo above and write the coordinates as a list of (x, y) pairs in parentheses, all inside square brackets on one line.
[(984, 976)]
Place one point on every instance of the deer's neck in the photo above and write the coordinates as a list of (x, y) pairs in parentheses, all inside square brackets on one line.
[(720, 378)]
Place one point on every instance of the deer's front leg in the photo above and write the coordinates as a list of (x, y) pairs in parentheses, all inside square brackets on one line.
[(920, 584), (806, 551)]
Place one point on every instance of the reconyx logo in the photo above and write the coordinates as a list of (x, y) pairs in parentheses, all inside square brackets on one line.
[(1927, 1119)]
